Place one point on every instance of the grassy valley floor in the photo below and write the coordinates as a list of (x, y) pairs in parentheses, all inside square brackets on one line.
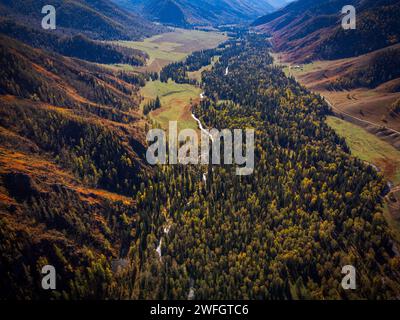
[(380, 151), (370, 107), (176, 100), (369, 148), (174, 46)]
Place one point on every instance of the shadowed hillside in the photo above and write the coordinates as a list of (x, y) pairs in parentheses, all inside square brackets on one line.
[(77, 46), (80, 24), (71, 151), (308, 30), (199, 12), (98, 19)]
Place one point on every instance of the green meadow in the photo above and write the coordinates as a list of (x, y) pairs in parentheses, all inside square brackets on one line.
[(174, 46), (368, 147), (175, 101)]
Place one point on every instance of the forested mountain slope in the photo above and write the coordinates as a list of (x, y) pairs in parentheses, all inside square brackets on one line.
[(378, 68), (309, 30), (283, 232), (98, 19), (79, 25), (356, 70), (77, 46), (199, 12), (77, 193), (71, 152)]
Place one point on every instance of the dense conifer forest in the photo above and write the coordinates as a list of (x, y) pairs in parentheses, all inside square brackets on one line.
[(178, 71), (77, 46), (119, 229), (282, 233)]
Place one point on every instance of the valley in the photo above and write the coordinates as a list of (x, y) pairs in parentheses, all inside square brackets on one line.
[(359, 82), (174, 46), (356, 71), (370, 105), (176, 103), (197, 226), (200, 13), (176, 99), (77, 191)]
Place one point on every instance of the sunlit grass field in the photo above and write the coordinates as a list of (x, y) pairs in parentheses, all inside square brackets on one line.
[(370, 148), (157, 50), (174, 46), (175, 101)]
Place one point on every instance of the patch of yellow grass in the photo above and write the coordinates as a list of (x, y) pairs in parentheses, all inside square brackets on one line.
[(368, 147), (175, 101), (175, 46)]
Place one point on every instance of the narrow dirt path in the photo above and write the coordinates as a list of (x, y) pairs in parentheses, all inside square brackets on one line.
[(358, 119)]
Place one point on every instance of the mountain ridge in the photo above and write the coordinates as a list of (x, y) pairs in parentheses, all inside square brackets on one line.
[(310, 31), (200, 12), (99, 20)]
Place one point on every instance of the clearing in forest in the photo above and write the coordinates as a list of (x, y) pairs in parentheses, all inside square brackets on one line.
[(166, 48), (175, 100)]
